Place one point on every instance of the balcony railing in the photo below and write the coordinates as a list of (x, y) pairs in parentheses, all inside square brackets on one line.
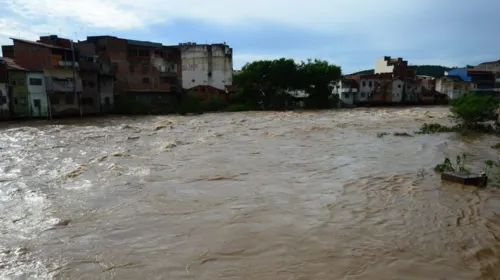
[(62, 85)]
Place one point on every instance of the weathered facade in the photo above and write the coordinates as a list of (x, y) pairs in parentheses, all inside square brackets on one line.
[(206, 64), (4, 94), (37, 94), (145, 72), (89, 72), (64, 88), (20, 106)]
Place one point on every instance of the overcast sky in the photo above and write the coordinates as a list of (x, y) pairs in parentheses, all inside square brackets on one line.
[(350, 33)]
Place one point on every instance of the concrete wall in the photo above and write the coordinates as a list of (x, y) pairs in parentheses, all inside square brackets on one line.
[(20, 94), (106, 92), (90, 102), (31, 56), (4, 102), (382, 67), (397, 91), (210, 65), (366, 87), (38, 95)]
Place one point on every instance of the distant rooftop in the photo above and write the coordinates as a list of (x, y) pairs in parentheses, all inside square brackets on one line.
[(39, 44)]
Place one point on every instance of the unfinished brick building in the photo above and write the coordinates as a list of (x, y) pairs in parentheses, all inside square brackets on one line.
[(147, 73)]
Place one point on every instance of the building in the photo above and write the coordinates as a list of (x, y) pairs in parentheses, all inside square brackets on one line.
[(206, 65), (146, 73), (397, 92), (397, 66), (55, 58), (493, 66), (428, 82), (346, 90), (452, 86), (89, 72), (16, 90), (4, 93), (38, 100)]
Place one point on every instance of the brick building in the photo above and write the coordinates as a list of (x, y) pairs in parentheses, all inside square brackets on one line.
[(145, 72)]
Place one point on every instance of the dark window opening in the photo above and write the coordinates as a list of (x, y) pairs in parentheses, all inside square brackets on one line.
[(107, 101), (192, 80), (370, 83), (54, 100), (145, 68), (143, 53), (70, 99), (13, 82), (114, 66), (15, 101), (37, 103), (399, 86), (210, 74), (145, 80), (364, 83), (35, 82)]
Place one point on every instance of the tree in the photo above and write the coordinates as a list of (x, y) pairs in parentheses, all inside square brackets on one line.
[(268, 83), (473, 108), (317, 78)]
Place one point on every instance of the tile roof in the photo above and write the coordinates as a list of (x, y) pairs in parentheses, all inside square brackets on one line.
[(11, 64), (39, 44)]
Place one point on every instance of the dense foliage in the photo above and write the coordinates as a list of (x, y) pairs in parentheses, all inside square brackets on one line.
[(473, 108), (272, 84)]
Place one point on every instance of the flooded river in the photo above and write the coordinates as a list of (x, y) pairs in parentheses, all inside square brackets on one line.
[(259, 195)]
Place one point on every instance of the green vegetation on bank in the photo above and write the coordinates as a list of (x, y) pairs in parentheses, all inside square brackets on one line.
[(473, 112)]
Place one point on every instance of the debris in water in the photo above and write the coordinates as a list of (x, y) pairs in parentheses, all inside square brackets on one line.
[(133, 137), (382, 134), (119, 154), (404, 134), (170, 145), (465, 178), (77, 172), (63, 223)]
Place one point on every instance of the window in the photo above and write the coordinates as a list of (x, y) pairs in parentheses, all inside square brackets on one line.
[(54, 100), (35, 82), (145, 68), (370, 83), (193, 80), (143, 53), (13, 82), (145, 80), (87, 101), (363, 95), (37, 103), (364, 83), (346, 95), (70, 99), (399, 86), (114, 66), (15, 101)]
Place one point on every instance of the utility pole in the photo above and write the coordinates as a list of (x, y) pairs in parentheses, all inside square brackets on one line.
[(74, 79)]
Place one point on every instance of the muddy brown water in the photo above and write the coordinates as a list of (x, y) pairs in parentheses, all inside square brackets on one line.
[(259, 195)]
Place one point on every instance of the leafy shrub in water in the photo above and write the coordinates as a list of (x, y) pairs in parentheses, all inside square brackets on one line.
[(473, 108)]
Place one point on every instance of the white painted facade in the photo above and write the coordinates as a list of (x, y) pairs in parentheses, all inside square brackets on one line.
[(345, 92), (37, 94), (4, 100), (382, 67), (397, 91), (209, 65), (366, 87)]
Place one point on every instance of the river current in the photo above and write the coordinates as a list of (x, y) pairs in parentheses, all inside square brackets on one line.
[(251, 195)]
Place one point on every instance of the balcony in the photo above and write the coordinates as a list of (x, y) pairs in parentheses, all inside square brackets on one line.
[(168, 70), (62, 85)]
